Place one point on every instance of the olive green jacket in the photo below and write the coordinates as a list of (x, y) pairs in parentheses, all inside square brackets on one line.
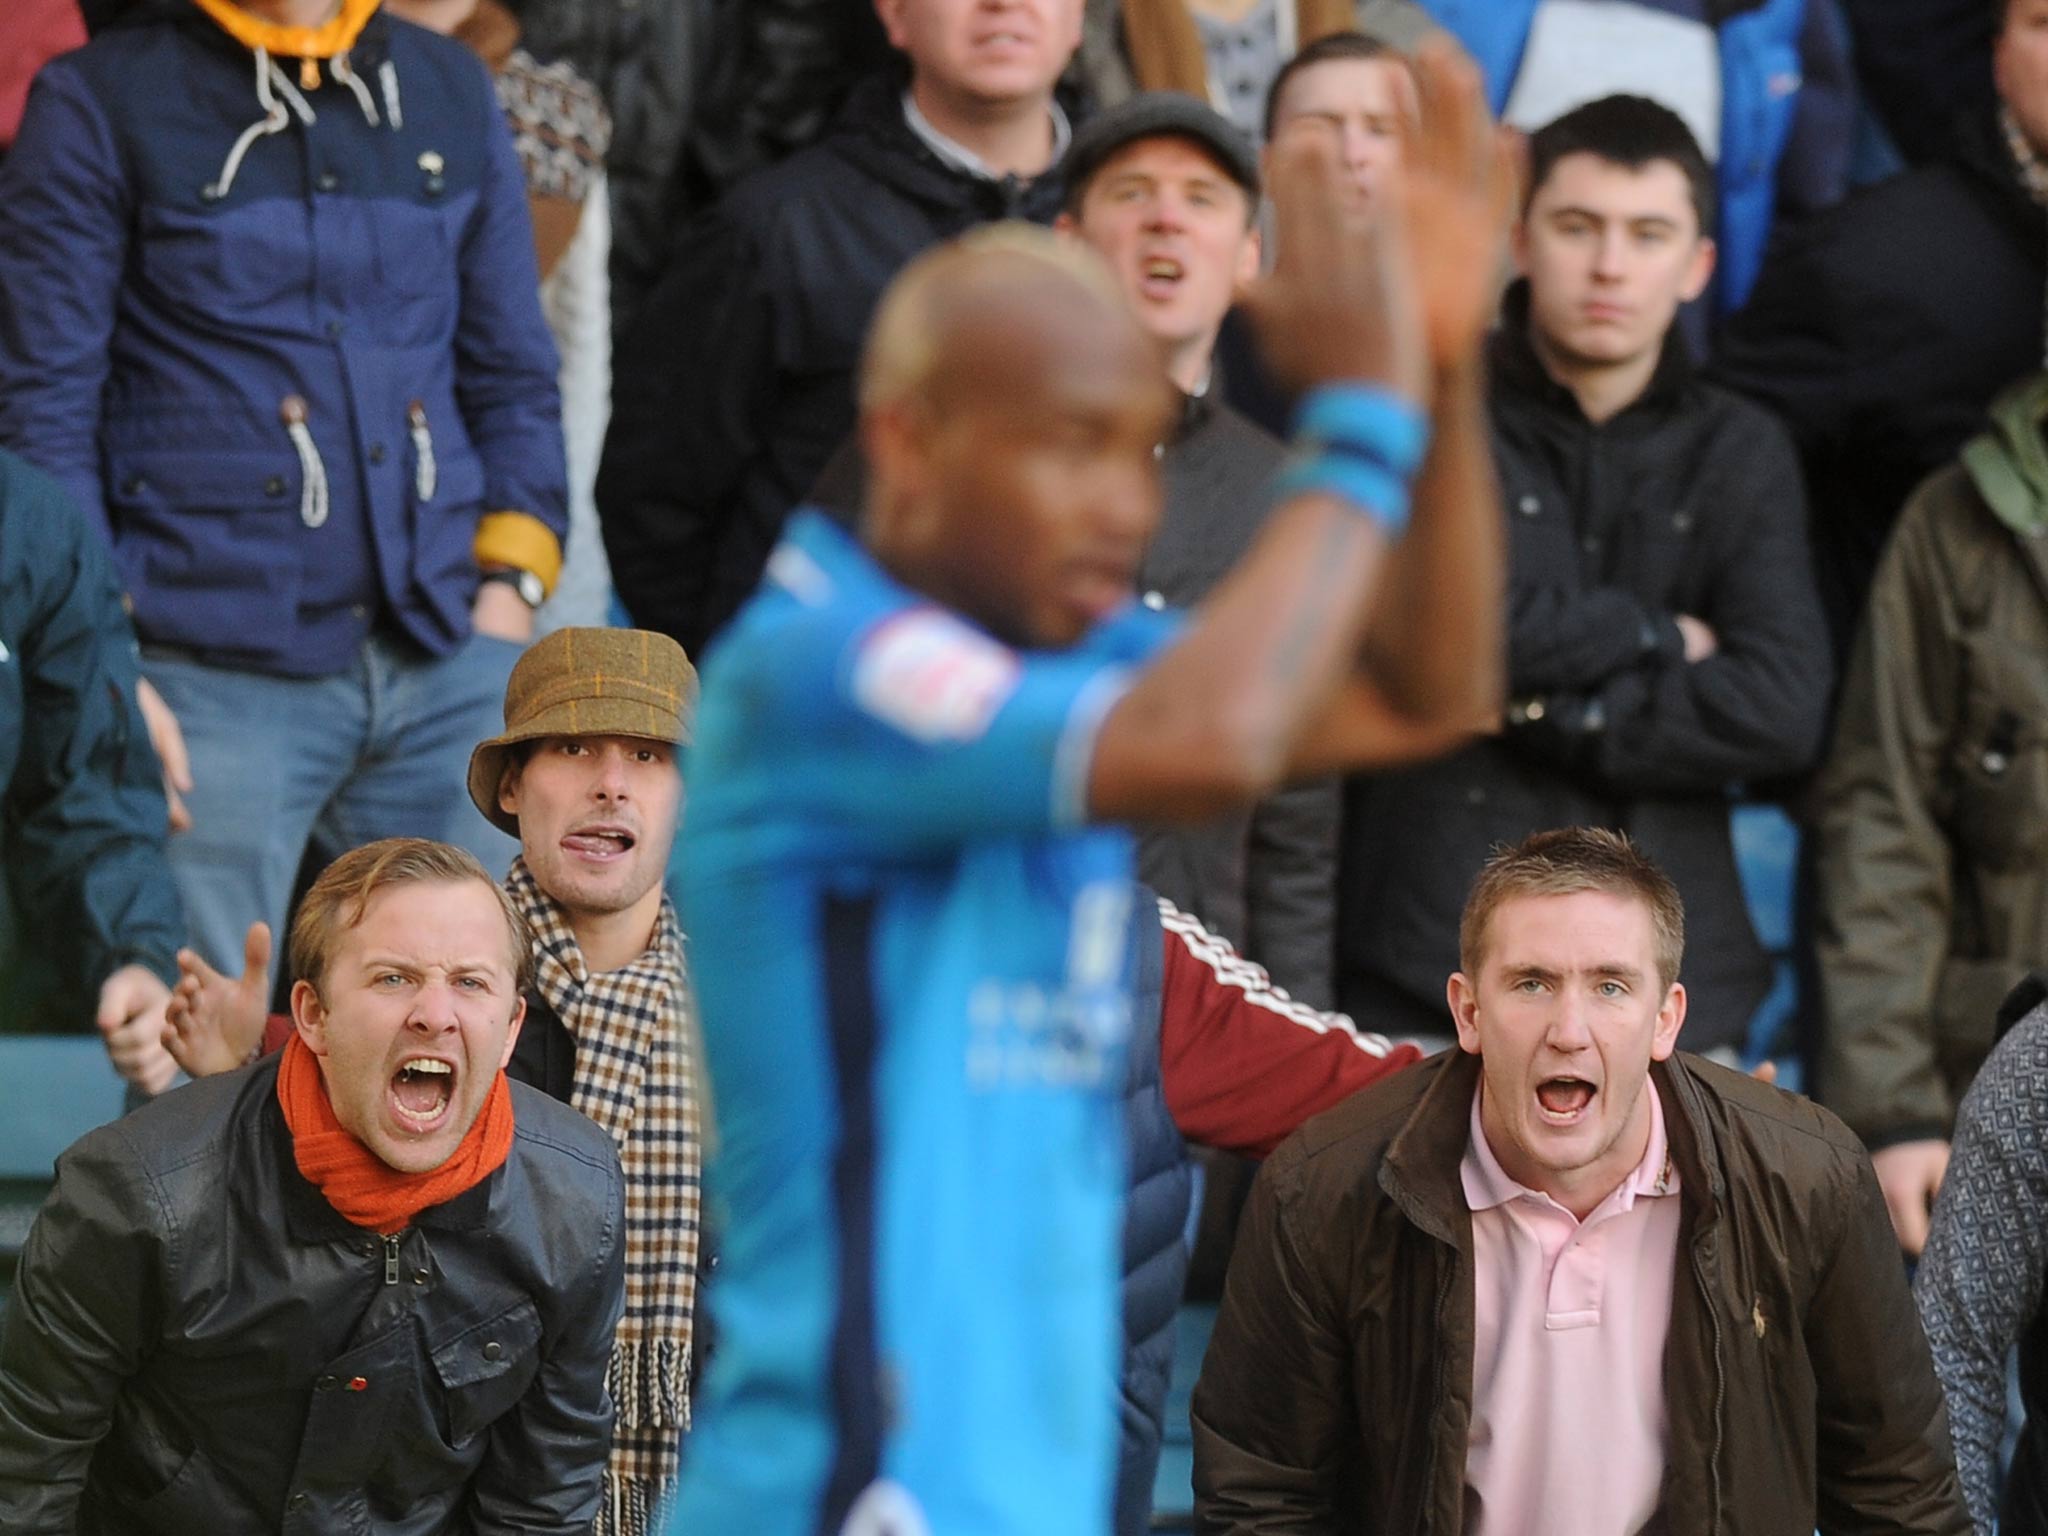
[(1933, 896)]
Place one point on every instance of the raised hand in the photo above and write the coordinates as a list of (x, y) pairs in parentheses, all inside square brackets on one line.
[(214, 1022), (1339, 304), (1458, 179)]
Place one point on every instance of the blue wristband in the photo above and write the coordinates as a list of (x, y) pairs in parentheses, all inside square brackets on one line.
[(1360, 443), (1367, 418)]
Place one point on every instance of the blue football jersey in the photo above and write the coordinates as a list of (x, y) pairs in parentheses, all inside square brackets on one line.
[(911, 959)]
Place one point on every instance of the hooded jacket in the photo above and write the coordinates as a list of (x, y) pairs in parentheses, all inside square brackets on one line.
[(1338, 1390), (282, 342), (199, 1342), (1933, 898), (1882, 330), (736, 384), (1685, 502)]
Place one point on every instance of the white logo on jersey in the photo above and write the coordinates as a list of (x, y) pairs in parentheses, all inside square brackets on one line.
[(885, 1509), (932, 677)]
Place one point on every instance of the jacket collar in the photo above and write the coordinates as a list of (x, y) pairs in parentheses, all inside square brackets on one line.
[(952, 153), (1518, 371), (308, 1218), (1420, 1172), (873, 134), (1978, 150)]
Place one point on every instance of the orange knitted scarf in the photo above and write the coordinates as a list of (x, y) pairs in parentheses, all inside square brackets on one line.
[(358, 1183)]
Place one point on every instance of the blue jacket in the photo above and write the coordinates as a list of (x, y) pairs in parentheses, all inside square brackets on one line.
[(369, 262), (1786, 115), (82, 816), (1162, 1189)]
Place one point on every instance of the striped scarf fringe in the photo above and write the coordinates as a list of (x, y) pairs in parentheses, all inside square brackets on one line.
[(635, 1077)]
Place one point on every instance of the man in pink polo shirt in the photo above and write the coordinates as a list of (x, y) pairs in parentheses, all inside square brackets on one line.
[(1565, 1281)]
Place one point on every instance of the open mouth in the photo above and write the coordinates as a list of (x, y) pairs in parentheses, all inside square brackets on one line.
[(602, 844), (421, 1091), (1564, 1100), (1160, 276)]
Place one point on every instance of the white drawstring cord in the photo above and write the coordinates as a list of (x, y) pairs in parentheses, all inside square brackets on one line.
[(313, 474), (291, 94), (273, 121), (387, 77), (424, 474), (338, 66)]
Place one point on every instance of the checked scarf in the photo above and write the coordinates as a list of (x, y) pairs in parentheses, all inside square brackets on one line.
[(634, 1055)]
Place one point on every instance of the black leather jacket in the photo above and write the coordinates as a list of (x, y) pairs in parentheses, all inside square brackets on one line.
[(198, 1342)]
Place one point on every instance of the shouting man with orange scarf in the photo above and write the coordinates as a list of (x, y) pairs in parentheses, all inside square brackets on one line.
[(367, 1285)]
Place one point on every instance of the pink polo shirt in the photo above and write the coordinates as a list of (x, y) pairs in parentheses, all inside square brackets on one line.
[(1568, 1422)]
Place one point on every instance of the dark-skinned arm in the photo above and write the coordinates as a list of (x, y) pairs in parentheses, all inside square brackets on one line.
[(1213, 723), (1436, 643), (1273, 678)]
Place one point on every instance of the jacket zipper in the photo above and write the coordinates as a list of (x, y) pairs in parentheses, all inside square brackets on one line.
[(391, 1258), (1720, 1393), (1443, 1296)]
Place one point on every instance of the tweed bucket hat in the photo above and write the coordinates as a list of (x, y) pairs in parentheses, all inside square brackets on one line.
[(586, 682)]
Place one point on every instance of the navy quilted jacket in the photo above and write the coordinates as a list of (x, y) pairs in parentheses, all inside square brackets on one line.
[(284, 345)]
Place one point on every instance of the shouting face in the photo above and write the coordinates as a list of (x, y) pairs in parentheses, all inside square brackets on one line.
[(414, 1018), (1566, 1014), (1178, 233)]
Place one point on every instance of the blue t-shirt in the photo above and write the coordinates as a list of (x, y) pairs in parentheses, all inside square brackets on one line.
[(911, 960)]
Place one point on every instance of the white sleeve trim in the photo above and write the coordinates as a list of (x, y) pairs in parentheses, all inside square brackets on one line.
[(1075, 754), (1232, 970)]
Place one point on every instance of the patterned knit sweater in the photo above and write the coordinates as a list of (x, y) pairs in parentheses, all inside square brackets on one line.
[(1980, 1279)]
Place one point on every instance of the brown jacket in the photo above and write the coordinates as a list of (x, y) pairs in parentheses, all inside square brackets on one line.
[(1934, 802), (1337, 1393)]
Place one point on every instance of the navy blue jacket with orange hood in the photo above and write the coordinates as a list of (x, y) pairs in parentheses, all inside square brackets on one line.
[(277, 329)]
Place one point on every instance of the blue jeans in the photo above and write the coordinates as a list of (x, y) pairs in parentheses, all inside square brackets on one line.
[(282, 764)]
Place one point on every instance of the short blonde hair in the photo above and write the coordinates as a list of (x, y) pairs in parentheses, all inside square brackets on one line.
[(1563, 863), (341, 895), (907, 336)]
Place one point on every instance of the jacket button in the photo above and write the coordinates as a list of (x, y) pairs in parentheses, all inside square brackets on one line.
[(1528, 506), (324, 1384), (297, 1501), (1590, 544), (493, 1350), (274, 486), (1681, 522), (327, 181), (377, 453), (419, 1277)]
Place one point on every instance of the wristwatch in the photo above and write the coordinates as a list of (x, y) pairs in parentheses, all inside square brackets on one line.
[(525, 583)]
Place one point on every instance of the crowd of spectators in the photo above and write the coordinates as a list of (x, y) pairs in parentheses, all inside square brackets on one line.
[(397, 397)]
